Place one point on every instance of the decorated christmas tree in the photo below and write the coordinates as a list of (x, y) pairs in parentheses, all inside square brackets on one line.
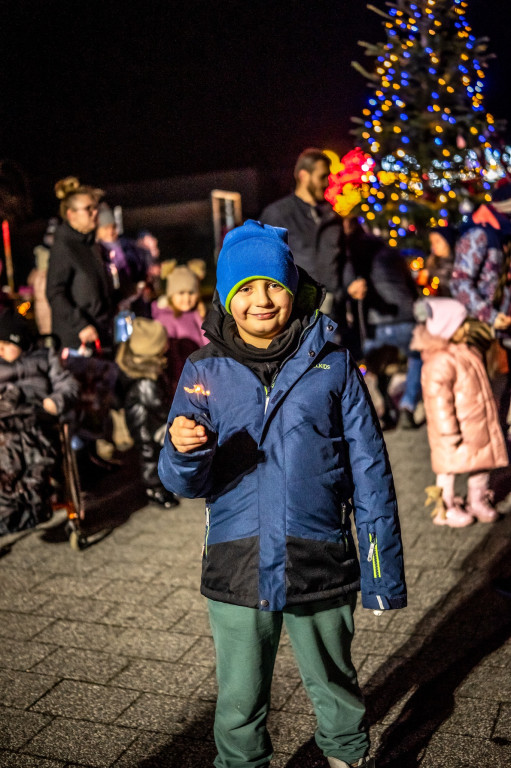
[(431, 149)]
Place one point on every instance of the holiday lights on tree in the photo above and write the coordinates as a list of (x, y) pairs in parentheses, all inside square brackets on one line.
[(435, 146)]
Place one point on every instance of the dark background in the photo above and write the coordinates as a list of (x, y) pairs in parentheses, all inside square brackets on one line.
[(127, 91)]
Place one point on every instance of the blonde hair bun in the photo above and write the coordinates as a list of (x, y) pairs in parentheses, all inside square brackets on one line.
[(65, 186)]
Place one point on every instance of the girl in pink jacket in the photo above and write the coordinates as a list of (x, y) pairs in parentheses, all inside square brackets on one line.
[(462, 421)]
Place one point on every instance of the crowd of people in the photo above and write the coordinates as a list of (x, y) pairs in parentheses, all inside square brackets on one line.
[(112, 327), (310, 317), (100, 295)]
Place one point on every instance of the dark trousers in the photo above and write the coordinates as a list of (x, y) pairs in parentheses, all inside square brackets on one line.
[(246, 642)]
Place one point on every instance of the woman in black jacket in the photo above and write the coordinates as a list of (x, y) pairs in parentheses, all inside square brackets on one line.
[(79, 287)]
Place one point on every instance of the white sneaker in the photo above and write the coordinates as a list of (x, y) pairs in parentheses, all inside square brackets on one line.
[(364, 762)]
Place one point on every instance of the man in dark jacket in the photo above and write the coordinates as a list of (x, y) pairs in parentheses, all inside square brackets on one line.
[(271, 422), (315, 231)]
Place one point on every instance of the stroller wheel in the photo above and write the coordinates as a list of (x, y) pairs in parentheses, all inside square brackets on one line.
[(77, 540)]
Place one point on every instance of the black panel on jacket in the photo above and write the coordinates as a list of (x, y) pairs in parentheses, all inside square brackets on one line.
[(229, 572)]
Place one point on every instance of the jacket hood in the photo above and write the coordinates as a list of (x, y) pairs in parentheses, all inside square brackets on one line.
[(496, 225)]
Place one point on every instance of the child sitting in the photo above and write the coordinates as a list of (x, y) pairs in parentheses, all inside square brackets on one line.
[(178, 313), (272, 423), (34, 388), (144, 393), (462, 421)]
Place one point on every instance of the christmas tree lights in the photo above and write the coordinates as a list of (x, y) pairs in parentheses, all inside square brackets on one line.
[(435, 146)]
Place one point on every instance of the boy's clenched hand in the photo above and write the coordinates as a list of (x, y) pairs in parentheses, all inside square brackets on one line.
[(186, 435)]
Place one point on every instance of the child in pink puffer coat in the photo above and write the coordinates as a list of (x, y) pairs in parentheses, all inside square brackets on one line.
[(462, 421)]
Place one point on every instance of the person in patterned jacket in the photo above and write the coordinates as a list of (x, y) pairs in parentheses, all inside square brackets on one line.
[(481, 277)]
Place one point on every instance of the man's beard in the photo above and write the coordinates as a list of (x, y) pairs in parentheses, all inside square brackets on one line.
[(317, 194)]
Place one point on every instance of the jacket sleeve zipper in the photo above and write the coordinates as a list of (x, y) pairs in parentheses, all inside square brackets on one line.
[(208, 518), (373, 556)]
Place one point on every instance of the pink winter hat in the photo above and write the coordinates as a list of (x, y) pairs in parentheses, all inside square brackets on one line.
[(444, 316)]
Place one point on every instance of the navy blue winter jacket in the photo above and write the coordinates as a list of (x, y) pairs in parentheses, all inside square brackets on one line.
[(281, 473)]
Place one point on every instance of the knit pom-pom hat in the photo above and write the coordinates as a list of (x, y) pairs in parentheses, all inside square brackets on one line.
[(254, 251)]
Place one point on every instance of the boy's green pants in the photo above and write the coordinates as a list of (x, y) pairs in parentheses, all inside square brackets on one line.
[(246, 642)]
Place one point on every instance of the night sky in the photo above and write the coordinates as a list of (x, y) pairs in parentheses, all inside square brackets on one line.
[(125, 91)]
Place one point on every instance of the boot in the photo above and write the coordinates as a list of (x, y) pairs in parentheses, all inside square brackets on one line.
[(479, 499), (454, 517), (120, 433), (365, 762)]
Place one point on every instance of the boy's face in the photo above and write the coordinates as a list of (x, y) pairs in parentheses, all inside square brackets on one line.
[(261, 310), (9, 351), (184, 301)]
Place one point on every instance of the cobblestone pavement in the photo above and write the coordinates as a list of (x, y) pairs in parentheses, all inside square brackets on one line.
[(106, 657)]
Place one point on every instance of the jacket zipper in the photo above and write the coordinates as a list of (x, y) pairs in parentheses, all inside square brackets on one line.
[(208, 518), (344, 525), (373, 555)]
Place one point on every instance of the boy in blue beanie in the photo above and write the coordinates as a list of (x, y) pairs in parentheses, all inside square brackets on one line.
[(272, 424)]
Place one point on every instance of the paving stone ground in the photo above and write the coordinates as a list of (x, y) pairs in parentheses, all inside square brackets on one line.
[(106, 657)]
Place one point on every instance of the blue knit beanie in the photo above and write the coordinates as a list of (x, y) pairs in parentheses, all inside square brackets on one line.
[(254, 251)]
